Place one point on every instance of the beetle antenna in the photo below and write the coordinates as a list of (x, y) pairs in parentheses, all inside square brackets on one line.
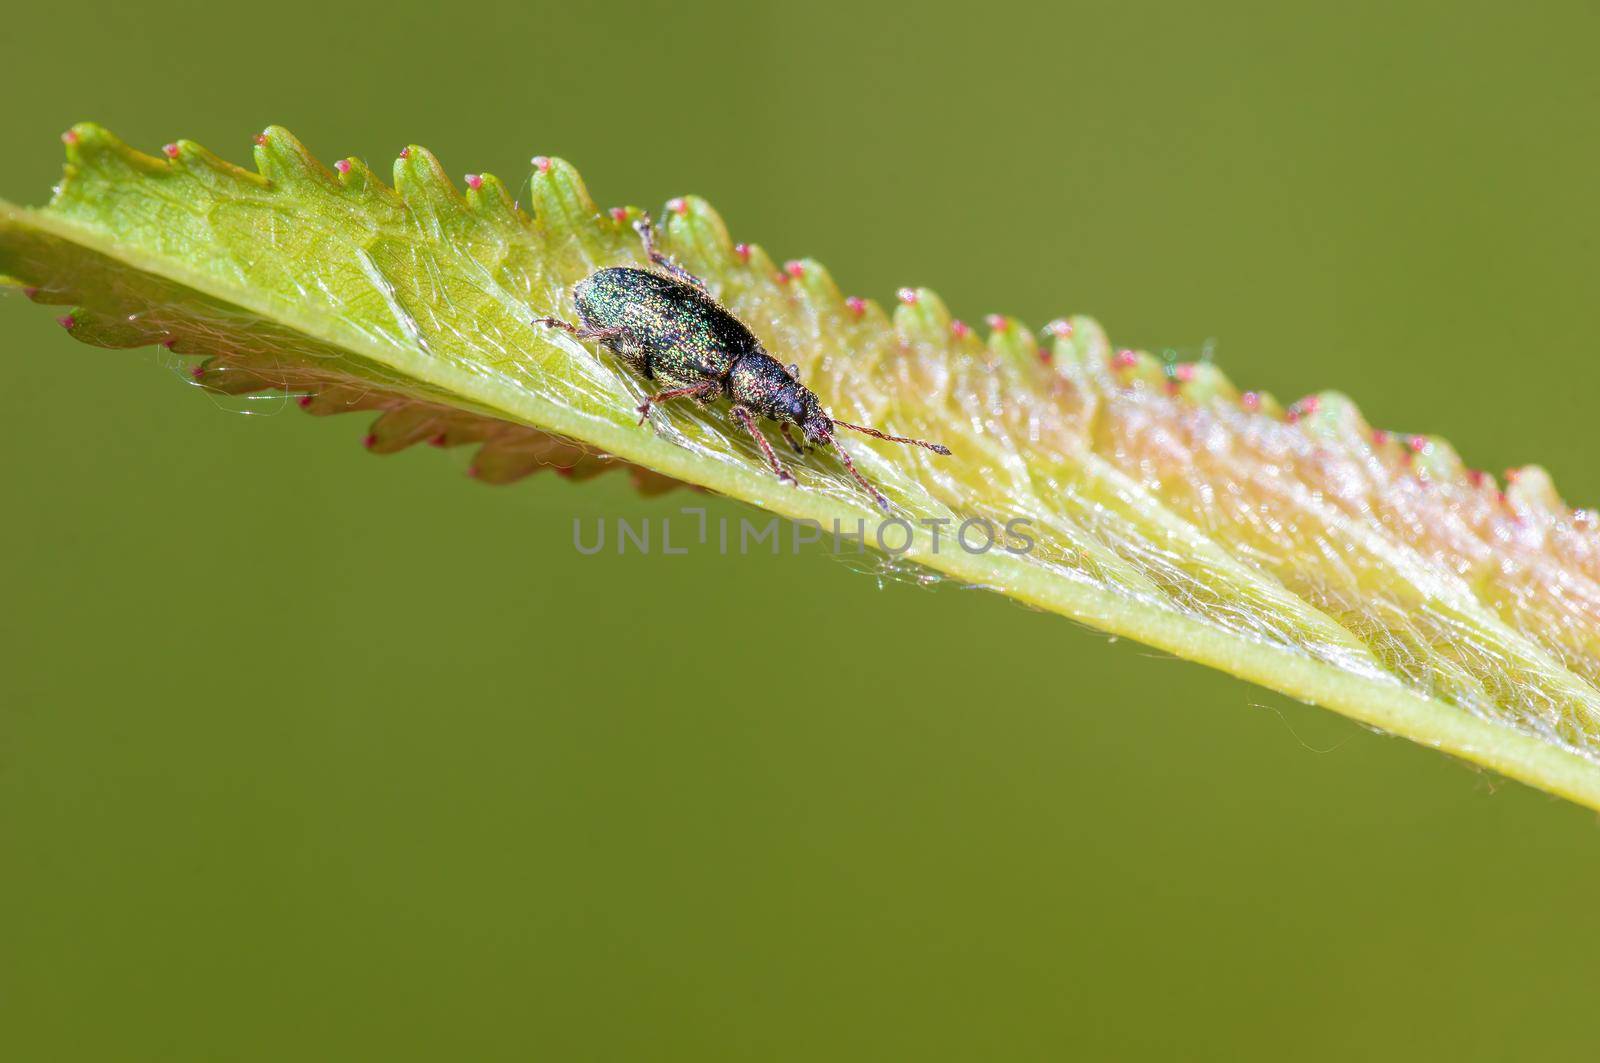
[(937, 448), (877, 496)]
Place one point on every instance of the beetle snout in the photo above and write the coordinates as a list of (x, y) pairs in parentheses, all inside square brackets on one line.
[(817, 429)]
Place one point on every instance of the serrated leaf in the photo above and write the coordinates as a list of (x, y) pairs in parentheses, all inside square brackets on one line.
[(1363, 571)]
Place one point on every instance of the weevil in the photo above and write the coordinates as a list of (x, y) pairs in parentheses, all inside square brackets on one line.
[(666, 326)]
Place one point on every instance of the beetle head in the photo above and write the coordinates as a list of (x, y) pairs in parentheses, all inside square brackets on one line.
[(814, 424), (792, 401)]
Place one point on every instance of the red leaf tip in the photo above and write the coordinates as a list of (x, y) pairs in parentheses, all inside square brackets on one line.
[(170, 150), (474, 181)]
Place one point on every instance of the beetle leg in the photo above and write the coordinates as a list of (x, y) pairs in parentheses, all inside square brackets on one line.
[(647, 233), (742, 415), (676, 393), (582, 332), (877, 495), (783, 426)]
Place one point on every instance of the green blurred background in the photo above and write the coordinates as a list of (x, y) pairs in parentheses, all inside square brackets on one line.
[(310, 755)]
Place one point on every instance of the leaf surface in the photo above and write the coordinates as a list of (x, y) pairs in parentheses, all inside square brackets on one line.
[(1360, 570)]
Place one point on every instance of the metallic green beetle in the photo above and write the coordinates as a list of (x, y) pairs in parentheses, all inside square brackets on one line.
[(667, 327)]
